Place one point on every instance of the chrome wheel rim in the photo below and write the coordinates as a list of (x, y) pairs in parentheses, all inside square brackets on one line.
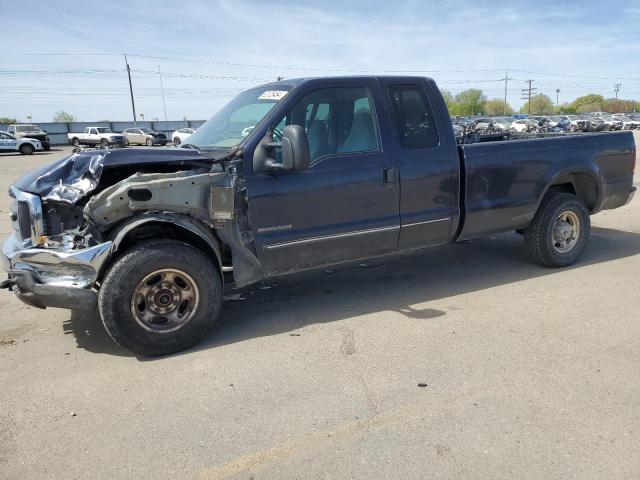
[(165, 300), (566, 232)]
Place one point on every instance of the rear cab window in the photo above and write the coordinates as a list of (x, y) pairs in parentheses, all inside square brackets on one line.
[(413, 117)]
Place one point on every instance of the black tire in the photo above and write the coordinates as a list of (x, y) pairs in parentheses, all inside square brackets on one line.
[(27, 149), (126, 142), (539, 239), (176, 141), (149, 142), (103, 143), (47, 147), (75, 142), (124, 278)]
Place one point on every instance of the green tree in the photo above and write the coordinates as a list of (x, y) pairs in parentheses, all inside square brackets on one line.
[(540, 105), (566, 108), (63, 117), (7, 120), (448, 98), (588, 103), (614, 105), (470, 101), (497, 106)]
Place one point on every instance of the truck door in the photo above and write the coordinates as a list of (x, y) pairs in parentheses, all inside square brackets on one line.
[(93, 136), (426, 162), (7, 142), (346, 205)]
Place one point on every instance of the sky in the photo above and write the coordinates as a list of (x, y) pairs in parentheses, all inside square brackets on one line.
[(68, 55)]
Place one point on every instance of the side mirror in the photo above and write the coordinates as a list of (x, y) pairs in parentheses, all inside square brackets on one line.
[(294, 147)]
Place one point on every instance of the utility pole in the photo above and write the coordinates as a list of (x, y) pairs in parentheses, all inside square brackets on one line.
[(617, 89), (133, 105), (164, 105), (527, 93), (557, 97), (506, 81)]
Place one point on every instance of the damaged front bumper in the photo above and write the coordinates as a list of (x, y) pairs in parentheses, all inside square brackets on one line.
[(53, 277)]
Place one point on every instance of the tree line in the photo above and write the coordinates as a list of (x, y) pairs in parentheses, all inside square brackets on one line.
[(474, 102)]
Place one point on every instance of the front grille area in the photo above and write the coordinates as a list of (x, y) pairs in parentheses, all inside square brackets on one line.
[(24, 220)]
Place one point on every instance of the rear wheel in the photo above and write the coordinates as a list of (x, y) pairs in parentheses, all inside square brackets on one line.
[(26, 149), (160, 297), (103, 143), (176, 141), (149, 142), (559, 232), (75, 142)]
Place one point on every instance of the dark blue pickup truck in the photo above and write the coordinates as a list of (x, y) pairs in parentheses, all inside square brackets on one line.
[(288, 176)]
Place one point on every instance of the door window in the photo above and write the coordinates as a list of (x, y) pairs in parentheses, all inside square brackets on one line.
[(337, 120), (415, 123)]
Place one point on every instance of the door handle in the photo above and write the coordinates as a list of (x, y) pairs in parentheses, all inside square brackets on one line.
[(390, 175)]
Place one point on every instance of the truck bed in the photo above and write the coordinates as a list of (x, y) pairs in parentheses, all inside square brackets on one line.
[(503, 182)]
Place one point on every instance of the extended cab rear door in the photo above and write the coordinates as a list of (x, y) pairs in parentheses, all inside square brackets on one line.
[(346, 205), (428, 162)]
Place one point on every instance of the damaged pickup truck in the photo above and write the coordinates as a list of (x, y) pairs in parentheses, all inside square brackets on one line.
[(289, 176)]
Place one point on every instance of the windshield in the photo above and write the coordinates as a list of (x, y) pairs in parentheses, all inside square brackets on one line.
[(27, 128), (104, 130), (235, 121), (146, 130)]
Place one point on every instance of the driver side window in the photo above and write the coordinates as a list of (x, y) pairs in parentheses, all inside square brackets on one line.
[(337, 120)]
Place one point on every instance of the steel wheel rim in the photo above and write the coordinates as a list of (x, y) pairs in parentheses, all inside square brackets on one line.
[(165, 300), (565, 232)]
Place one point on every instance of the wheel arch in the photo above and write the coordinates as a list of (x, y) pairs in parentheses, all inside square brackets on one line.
[(584, 184), (167, 226)]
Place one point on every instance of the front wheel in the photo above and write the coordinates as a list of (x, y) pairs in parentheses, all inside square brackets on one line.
[(559, 232), (27, 149), (176, 141), (160, 297), (149, 142)]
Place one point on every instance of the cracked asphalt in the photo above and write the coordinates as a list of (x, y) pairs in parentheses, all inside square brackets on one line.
[(525, 373)]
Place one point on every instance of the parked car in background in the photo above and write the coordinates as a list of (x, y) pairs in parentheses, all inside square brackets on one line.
[(524, 125), (144, 136), (30, 130), (181, 135), (595, 124), (610, 122), (26, 146), (577, 123), (628, 122), (97, 136), (458, 132)]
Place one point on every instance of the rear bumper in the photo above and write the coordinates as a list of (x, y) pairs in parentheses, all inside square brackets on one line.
[(45, 277)]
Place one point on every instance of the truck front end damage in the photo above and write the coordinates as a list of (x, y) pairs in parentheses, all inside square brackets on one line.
[(59, 271), (72, 219)]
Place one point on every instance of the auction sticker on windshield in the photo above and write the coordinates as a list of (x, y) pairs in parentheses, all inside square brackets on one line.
[(272, 95)]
